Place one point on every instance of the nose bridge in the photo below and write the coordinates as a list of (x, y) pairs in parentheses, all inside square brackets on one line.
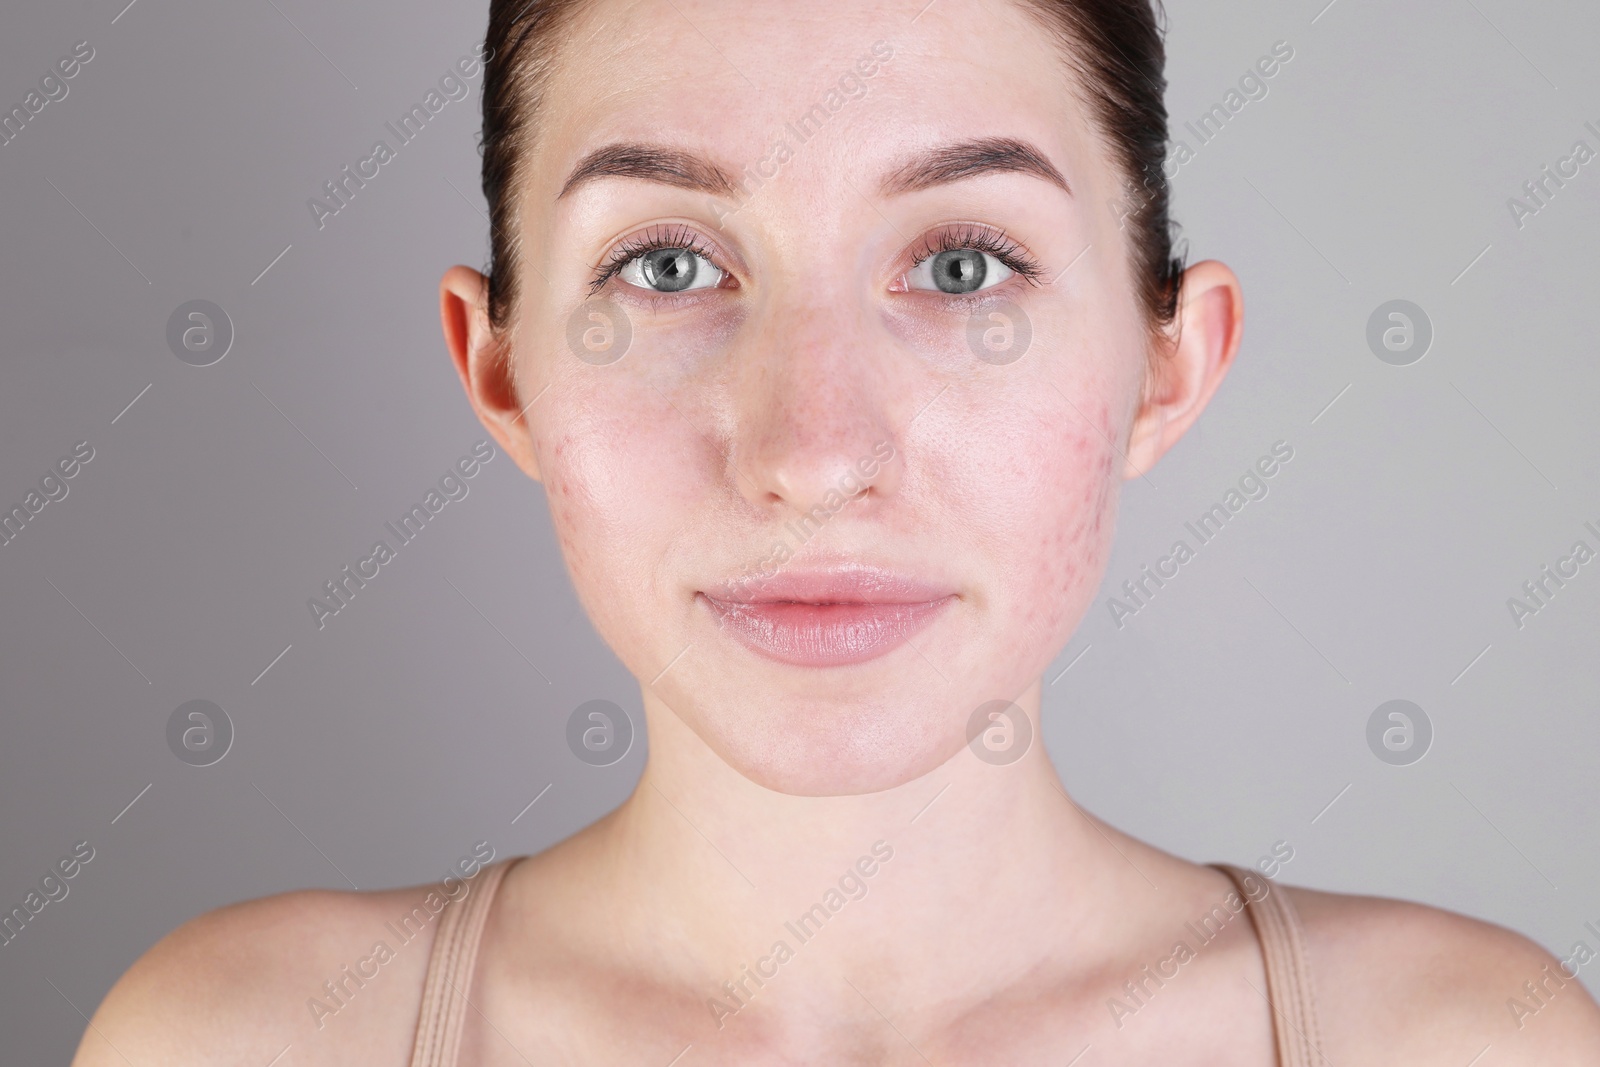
[(812, 406)]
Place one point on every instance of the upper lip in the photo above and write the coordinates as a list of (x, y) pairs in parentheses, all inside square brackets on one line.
[(845, 584)]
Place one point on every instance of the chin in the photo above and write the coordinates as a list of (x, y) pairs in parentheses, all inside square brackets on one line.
[(819, 749)]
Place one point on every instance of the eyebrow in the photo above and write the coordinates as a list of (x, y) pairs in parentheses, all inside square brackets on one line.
[(654, 163), (967, 159), (686, 170)]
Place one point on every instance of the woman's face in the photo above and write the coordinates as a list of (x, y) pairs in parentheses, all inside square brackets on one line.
[(797, 400)]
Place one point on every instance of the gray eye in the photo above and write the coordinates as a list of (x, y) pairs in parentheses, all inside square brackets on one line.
[(958, 271), (671, 270)]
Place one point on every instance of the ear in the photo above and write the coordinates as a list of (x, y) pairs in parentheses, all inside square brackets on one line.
[(1196, 353), (483, 362)]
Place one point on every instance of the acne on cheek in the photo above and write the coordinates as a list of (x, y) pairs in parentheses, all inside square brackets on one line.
[(583, 471), (1097, 492), (1102, 497), (1072, 546), (616, 466), (1096, 502), (568, 501), (1031, 473)]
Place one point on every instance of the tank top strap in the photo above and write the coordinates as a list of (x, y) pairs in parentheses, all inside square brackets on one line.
[(1290, 993), (450, 965)]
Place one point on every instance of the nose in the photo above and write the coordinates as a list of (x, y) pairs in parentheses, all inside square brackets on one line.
[(814, 414)]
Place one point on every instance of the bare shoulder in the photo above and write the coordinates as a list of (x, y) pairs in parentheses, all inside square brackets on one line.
[(1404, 983), (336, 976)]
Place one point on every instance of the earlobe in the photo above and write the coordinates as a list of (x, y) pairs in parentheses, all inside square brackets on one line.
[(482, 360), (1198, 352)]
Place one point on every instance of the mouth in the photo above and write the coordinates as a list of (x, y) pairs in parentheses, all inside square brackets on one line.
[(831, 618)]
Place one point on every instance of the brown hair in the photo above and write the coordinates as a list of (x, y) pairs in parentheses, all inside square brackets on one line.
[(1115, 47)]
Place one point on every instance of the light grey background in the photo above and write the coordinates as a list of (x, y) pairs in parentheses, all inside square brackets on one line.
[(1227, 715)]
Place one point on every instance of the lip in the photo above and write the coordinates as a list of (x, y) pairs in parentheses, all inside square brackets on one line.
[(827, 618)]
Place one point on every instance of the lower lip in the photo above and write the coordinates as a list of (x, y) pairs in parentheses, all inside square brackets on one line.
[(824, 635)]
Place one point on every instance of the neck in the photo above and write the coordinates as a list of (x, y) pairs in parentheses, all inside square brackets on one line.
[(991, 865)]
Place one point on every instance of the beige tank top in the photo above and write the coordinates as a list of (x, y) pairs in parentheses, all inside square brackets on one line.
[(447, 988)]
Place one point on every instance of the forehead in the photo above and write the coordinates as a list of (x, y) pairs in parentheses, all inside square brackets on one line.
[(734, 77)]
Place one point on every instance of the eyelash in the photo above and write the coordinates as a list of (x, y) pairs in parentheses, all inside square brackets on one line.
[(950, 239), (981, 239), (675, 236)]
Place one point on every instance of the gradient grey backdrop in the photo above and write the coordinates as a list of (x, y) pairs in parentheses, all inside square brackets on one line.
[(1227, 715)]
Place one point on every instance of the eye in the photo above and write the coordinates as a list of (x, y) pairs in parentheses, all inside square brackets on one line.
[(671, 270), (958, 271)]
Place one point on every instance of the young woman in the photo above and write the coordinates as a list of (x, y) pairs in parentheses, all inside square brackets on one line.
[(830, 331)]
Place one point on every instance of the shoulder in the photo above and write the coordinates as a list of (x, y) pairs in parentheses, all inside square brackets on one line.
[(1404, 983), (243, 983)]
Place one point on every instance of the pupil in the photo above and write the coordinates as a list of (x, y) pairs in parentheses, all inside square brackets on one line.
[(670, 270), (960, 270)]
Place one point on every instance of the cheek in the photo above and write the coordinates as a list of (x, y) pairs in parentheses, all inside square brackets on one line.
[(1075, 495), (1045, 494), (618, 475)]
